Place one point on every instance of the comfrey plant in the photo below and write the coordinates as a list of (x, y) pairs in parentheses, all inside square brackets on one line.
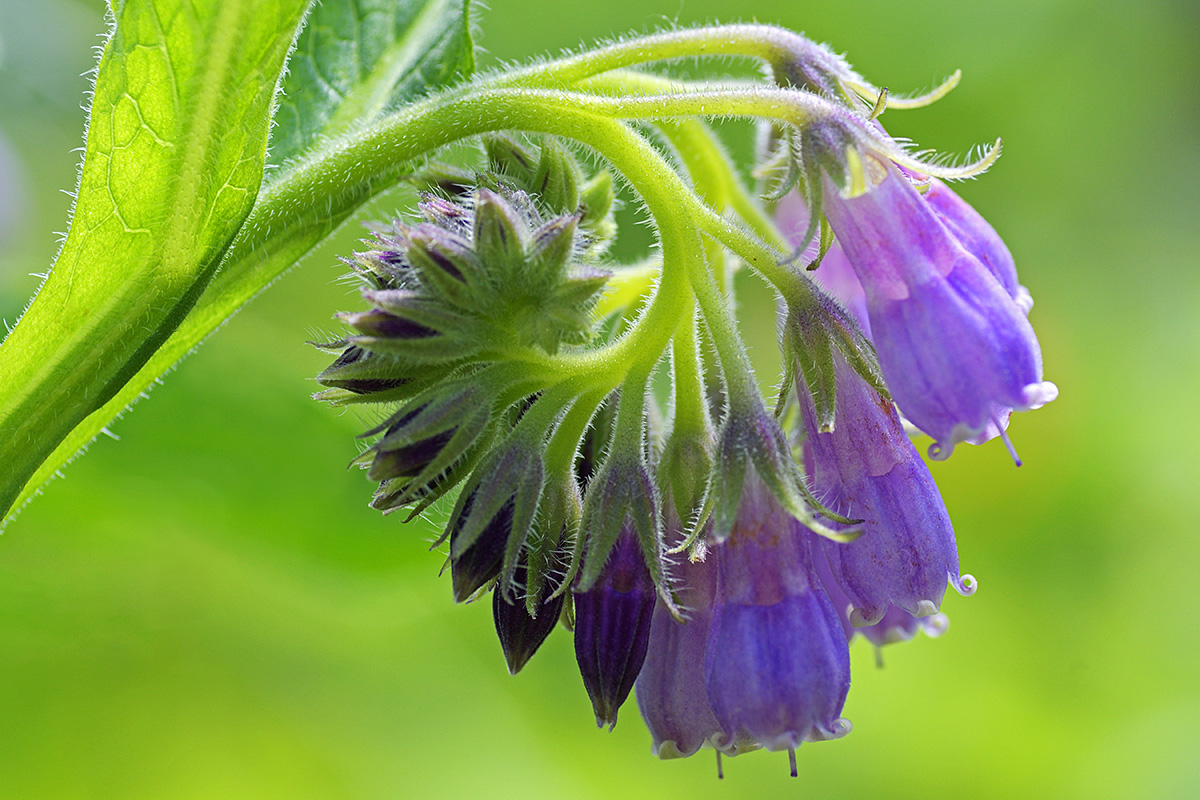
[(591, 430)]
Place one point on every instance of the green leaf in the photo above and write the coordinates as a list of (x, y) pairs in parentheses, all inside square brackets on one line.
[(372, 56), (173, 162), (359, 59)]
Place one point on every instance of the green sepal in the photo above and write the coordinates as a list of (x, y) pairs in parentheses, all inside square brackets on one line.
[(809, 347), (725, 489), (557, 521), (557, 178), (621, 493), (683, 473), (446, 268), (500, 235), (750, 438), (513, 473), (446, 179), (596, 440), (510, 160), (813, 329), (553, 244)]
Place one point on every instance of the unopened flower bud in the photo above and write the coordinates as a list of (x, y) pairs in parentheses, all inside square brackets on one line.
[(612, 627)]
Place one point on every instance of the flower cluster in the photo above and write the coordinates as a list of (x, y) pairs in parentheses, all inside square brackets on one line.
[(715, 555)]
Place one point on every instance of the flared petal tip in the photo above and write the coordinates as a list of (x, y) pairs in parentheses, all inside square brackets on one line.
[(940, 451), (837, 730), (966, 585), (861, 617), (732, 745), (1024, 300), (818, 732), (925, 608), (1036, 395), (669, 749)]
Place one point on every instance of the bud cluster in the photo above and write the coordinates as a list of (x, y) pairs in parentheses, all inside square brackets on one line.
[(718, 556)]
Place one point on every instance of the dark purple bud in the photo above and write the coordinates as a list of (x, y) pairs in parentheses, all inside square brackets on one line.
[(777, 668), (612, 627), (409, 460), (426, 437), (521, 634), (480, 562), (867, 468), (381, 324), (352, 371)]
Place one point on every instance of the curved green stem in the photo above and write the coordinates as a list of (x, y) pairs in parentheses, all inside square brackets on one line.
[(703, 156), (564, 444), (768, 43), (786, 106)]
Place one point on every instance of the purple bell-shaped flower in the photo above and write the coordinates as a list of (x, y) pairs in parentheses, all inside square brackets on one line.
[(866, 468), (956, 349), (777, 668), (670, 690), (896, 625)]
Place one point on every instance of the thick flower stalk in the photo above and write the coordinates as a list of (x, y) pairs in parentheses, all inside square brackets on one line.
[(716, 555)]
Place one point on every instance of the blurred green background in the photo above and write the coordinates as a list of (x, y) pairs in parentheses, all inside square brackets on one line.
[(208, 608)]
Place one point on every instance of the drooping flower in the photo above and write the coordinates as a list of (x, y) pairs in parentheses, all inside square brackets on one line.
[(671, 694), (777, 667), (867, 468), (957, 351)]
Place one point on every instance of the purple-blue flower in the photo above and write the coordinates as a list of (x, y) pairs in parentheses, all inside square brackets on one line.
[(777, 668), (866, 468), (956, 349), (670, 690), (979, 238)]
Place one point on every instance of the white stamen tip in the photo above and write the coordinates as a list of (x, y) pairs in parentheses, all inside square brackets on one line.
[(966, 585)]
